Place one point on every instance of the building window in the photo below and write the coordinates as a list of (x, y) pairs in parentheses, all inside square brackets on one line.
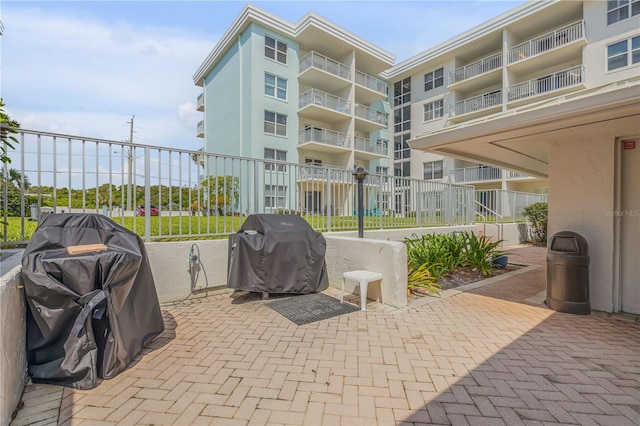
[(623, 53), (402, 119), (275, 154), (433, 170), (618, 10), (434, 79), (275, 196), (382, 143), (275, 86), (402, 169), (380, 170), (402, 92), (401, 147), (275, 49), (433, 110), (275, 124)]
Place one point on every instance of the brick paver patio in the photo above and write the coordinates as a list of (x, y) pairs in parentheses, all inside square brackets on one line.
[(486, 356)]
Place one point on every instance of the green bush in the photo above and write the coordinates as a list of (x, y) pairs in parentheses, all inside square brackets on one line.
[(538, 215)]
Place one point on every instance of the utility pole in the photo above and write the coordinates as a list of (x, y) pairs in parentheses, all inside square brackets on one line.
[(130, 163)]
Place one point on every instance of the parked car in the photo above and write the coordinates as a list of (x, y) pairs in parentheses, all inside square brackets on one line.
[(140, 210)]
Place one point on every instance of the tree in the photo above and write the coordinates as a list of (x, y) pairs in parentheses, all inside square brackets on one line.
[(8, 127), (220, 191)]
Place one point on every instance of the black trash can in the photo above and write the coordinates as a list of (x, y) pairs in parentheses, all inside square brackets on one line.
[(568, 273)]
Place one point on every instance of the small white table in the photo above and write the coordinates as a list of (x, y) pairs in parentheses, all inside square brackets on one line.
[(363, 278)]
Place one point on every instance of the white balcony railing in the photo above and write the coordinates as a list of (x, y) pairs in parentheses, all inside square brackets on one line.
[(200, 102), (547, 41), (324, 136), (363, 144), (515, 175), (474, 69), (316, 60), (476, 174), (370, 114), (200, 129), (371, 82), (477, 103), (549, 83), (325, 100)]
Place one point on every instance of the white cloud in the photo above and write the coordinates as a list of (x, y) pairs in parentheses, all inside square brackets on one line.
[(86, 77)]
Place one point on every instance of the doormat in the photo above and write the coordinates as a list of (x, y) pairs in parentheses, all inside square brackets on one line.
[(308, 308)]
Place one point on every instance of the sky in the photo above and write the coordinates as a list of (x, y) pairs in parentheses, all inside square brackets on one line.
[(86, 67)]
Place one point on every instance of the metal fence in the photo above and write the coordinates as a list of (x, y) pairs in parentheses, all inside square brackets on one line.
[(167, 193), (498, 205)]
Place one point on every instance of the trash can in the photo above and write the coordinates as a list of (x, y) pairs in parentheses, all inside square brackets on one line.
[(568, 273), (277, 253)]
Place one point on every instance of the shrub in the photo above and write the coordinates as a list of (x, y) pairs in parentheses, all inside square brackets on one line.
[(537, 214), (421, 278)]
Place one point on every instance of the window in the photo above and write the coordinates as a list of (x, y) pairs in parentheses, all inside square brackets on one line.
[(380, 170), (274, 154), (402, 119), (275, 86), (275, 124), (402, 169), (402, 92), (401, 147), (434, 79), (433, 110), (275, 49), (623, 53), (433, 170), (313, 161), (618, 10), (382, 143), (275, 196)]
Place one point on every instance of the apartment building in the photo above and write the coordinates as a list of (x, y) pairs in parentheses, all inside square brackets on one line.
[(550, 89), (306, 93)]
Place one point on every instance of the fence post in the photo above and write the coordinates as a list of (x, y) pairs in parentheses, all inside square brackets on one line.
[(256, 182), (147, 194), (329, 205)]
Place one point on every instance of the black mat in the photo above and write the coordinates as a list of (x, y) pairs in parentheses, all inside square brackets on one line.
[(308, 308)]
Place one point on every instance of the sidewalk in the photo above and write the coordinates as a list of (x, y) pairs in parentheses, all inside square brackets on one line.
[(485, 356)]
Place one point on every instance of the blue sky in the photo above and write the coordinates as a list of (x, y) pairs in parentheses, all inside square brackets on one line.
[(85, 67)]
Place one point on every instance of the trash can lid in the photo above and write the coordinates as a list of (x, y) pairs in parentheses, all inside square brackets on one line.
[(568, 243)]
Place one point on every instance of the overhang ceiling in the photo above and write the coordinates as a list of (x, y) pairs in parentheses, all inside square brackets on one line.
[(518, 140)]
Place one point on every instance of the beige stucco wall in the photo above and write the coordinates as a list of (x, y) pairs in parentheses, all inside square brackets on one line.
[(581, 182)]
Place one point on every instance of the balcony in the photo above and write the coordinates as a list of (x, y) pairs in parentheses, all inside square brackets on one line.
[(547, 42), (317, 70), (324, 140), (324, 106), (515, 175), (369, 119), (200, 102), (368, 150), (370, 89), (200, 129), (318, 173), (550, 84), (477, 68), (477, 104), (476, 174)]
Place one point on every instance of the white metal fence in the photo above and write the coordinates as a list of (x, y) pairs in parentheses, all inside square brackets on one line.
[(166, 193), (503, 205)]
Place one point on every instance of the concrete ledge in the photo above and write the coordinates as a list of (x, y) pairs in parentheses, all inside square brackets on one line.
[(13, 355)]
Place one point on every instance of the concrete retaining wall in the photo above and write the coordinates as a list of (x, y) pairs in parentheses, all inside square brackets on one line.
[(13, 356)]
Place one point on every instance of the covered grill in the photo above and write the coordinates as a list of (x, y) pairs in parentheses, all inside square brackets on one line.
[(275, 253), (92, 300)]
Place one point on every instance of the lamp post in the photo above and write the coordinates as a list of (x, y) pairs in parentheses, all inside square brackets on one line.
[(360, 174)]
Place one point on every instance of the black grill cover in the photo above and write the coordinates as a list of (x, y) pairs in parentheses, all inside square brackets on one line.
[(89, 314), (276, 253)]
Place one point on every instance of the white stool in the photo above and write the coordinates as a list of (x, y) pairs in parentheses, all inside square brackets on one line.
[(364, 278)]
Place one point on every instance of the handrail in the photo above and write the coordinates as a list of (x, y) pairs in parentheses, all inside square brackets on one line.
[(499, 226)]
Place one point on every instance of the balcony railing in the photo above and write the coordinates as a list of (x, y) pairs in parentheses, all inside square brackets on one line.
[(324, 136), (326, 100), (316, 60), (477, 103), (363, 144), (373, 115), (556, 81), (476, 174), (515, 175), (546, 42), (371, 82), (200, 129), (200, 102), (474, 69)]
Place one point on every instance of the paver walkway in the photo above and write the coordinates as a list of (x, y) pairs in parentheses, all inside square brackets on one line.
[(481, 357)]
